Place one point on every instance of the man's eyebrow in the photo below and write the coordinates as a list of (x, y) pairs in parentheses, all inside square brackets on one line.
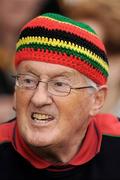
[(29, 70), (68, 73), (33, 73), (65, 74), (28, 73)]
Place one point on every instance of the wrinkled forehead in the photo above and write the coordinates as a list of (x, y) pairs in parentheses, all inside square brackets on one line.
[(48, 69)]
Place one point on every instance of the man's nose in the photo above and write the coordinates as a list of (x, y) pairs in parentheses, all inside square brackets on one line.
[(41, 96)]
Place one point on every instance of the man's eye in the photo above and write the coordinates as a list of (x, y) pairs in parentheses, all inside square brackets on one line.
[(59, 84), (27, 80)]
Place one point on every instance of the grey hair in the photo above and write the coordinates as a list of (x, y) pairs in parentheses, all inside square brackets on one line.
[(91, 83)]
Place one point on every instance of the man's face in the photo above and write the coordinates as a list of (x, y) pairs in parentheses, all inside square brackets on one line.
[(45, 119)]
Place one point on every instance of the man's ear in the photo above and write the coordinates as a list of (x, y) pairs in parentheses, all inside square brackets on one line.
[(98, 100), (14, 101)]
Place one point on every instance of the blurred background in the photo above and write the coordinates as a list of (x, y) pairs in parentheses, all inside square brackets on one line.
[(103, 16)]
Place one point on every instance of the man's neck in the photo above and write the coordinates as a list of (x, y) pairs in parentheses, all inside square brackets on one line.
[(60, 153)]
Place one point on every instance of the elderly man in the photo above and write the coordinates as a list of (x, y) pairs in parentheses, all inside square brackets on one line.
[(62, 71)]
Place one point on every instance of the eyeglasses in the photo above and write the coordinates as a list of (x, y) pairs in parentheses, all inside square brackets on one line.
[(55, 86)]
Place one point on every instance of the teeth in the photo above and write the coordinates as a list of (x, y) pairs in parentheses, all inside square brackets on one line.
[(40, 116)]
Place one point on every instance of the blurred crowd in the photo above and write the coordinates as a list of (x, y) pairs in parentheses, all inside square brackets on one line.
[(103, 16)]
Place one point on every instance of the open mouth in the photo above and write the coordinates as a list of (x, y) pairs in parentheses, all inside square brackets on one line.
[(42, 118)]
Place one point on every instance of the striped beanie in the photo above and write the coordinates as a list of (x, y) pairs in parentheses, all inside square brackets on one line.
[(57, 39)]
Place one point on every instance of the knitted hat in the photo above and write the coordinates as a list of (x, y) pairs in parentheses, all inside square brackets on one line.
[(56, 39)]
